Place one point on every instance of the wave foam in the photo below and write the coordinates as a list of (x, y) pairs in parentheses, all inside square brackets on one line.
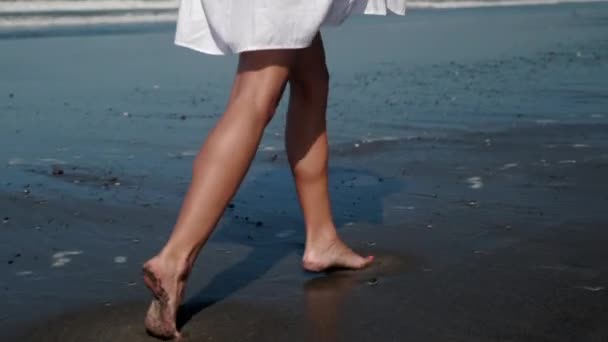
[(49, 21), (27, 7)]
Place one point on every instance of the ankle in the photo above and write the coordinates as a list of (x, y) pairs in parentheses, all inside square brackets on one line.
[(177, 261), (321, 236)]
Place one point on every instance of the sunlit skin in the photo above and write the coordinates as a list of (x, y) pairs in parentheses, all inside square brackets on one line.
[(225, 157)]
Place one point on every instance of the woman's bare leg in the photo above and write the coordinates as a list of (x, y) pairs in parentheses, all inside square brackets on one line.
[(218, 170), (307, 151)]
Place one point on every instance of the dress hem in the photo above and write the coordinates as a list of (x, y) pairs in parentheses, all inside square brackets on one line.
[(219, 52), (236, 52)]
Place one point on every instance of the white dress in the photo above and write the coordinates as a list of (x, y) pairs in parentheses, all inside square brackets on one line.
[(222, 27)]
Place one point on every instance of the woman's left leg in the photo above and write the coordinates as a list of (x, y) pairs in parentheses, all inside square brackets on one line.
[(308, 152)]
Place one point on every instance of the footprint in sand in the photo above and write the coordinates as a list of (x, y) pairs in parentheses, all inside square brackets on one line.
[(325, 295)]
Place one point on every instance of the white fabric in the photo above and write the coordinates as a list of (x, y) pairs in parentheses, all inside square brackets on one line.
[(231, 26)]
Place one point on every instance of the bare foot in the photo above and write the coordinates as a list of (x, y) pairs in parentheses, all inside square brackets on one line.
[(319, 257), (167, 284)]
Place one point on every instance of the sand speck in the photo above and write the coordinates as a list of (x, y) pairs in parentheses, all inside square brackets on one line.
[(285, 233), (15, 161), (475, 182), (403, 207), (545, 121), (60, 259), (120, 259), (591, 288), (509, 166)]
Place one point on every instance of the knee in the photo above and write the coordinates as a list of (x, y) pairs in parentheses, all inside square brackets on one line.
[(259, 103), (263, 106)]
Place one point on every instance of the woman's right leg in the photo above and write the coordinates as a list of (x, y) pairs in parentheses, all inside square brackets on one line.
[(218, 170)]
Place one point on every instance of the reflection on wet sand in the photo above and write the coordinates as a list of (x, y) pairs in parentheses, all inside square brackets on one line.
[(325, 296)]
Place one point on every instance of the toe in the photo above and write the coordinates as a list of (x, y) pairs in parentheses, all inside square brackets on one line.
[(362, 262), (367, 261)]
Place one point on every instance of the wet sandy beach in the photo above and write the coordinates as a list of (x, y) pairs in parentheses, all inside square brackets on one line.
[(471, 161)]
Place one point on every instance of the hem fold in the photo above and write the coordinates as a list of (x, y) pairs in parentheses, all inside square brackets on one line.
[(236, 52)]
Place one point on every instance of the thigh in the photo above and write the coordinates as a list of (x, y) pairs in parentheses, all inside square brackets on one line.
[(310, 65), (261, 75)]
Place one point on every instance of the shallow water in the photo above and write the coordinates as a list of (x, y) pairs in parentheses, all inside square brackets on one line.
[(132, 101)]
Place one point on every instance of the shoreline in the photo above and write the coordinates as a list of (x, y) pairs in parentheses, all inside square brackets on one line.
[(48, 7), (15, 16)]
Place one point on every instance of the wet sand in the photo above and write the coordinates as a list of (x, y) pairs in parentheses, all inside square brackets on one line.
[(483, 195)]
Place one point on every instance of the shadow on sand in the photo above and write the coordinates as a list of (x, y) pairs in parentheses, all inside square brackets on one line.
[(364, 192)]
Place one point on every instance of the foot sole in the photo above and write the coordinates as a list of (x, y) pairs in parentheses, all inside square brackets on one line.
[(156, 317)]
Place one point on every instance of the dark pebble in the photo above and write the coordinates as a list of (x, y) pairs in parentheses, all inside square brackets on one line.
[(6, 219), (17, 255), (259, 224), (11, 95), (182, 117), (57, 170), (10, 262), (231, 206)]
